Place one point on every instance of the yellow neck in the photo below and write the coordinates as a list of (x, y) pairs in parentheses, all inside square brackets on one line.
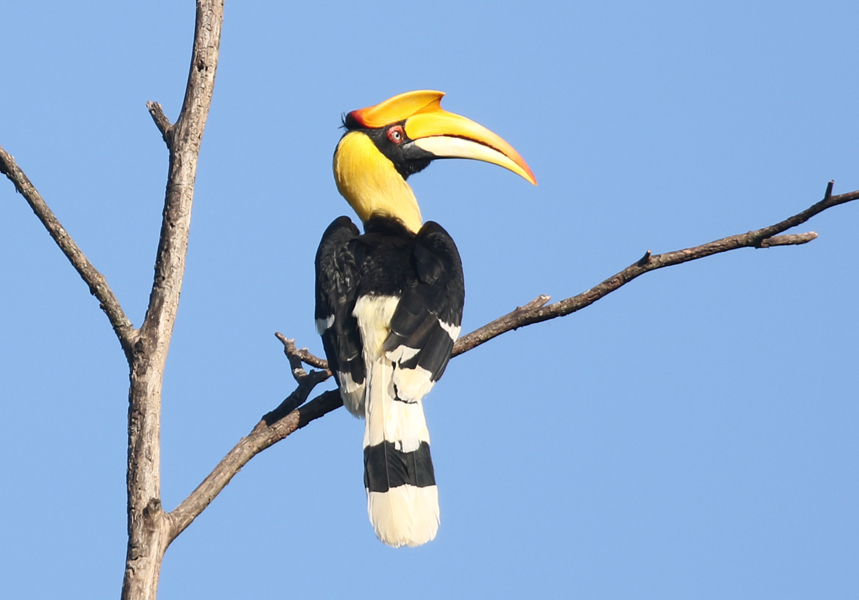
[(371, 184)]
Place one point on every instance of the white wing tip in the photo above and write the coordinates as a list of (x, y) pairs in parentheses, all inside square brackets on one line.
[(352, 393), (322, 325)]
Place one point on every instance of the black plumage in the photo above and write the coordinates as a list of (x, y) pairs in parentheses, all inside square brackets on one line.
[(423, 270), (337, 276)]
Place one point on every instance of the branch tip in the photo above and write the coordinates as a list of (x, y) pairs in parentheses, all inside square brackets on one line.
[(297, 356), (793, 239), (644, 259), (537, 302), (161, 121), (828, 193)]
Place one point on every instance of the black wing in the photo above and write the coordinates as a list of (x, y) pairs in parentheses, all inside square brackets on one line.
[(337, 276), (427, 320)]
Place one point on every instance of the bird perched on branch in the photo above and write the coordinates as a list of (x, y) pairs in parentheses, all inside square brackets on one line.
[(389, 301)]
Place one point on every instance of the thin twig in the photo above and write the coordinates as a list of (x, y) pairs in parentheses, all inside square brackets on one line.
[(302, 355), (161, 122), (98, 286), (295, 364), (790, 239)]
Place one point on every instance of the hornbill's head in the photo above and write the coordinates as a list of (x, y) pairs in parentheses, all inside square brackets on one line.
[(386, 143)]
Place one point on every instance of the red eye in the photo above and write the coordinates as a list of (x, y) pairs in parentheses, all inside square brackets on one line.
[(396, 134)]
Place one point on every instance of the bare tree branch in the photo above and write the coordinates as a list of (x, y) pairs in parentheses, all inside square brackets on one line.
[(537, 310), (149, 528), (185, 139), (161, 122), (98, 286), (791, 239), (302, 356), (760, 238)]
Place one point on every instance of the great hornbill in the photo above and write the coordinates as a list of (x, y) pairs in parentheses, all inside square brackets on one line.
[(389, 302)]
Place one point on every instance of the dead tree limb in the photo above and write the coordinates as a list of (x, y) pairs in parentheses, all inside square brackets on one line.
[(149, 530), (536, 311), (98, 286)]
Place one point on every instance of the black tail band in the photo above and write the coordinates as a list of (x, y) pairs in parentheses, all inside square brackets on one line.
[(386, 467)]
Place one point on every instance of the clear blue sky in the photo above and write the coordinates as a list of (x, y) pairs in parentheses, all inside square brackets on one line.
[(694, 435)]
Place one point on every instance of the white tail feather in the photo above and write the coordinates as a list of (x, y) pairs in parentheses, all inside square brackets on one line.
[(405, 515), (402, 423)]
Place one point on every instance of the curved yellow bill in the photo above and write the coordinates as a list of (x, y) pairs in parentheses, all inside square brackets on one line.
[(441, 133)]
